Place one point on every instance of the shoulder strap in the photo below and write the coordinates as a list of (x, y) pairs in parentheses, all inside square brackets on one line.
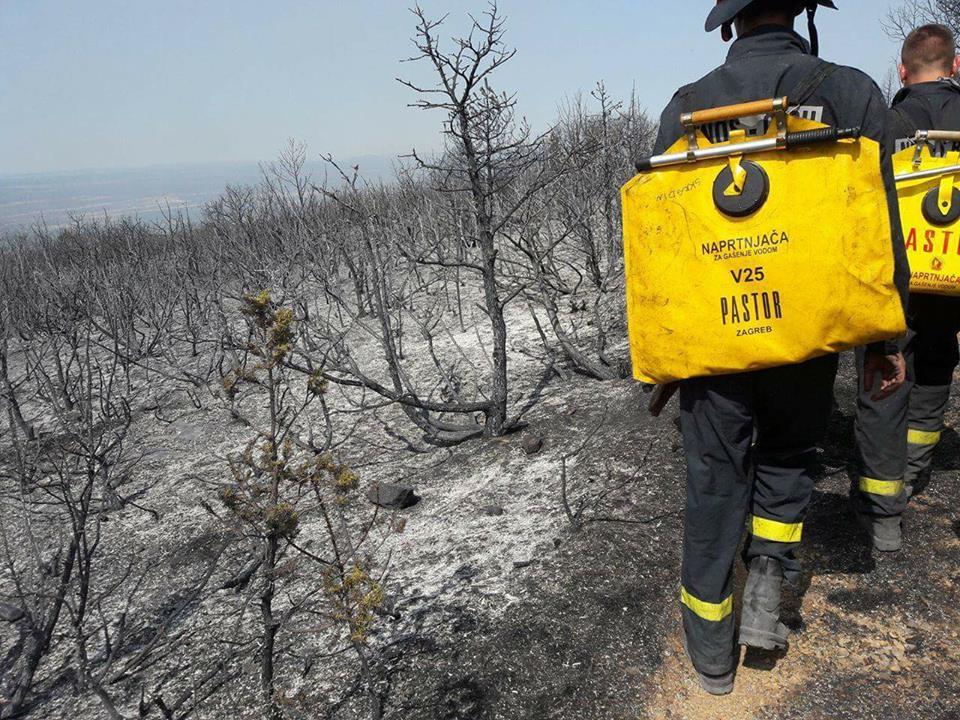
[(685, 97), (811, 83), (803, 92)]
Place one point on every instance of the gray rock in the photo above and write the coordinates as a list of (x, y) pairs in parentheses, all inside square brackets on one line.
[(10, 613), (392, 496), (466, 572), (492, 510), (532, 444)]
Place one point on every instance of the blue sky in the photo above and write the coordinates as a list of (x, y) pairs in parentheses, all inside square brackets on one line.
[(127, 83)]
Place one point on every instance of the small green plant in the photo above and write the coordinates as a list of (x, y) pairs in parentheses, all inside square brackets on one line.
[(317, 384), (282, 520), (288, 495)]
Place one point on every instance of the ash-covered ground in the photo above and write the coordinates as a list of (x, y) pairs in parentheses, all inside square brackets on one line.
[(500, 608), (591, 628)]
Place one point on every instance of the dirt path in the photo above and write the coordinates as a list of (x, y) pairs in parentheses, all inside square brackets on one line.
[(858, 630)]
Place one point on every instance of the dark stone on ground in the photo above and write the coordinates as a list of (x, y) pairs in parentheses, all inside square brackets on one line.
[(532, 445), (466, 572), (10, 613), (492, 510), (392, 496)]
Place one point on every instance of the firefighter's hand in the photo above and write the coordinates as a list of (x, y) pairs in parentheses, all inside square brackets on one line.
[(892, 370)]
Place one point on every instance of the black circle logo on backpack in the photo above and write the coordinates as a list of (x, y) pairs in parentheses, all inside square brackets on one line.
[(756, 190), (937, 214)]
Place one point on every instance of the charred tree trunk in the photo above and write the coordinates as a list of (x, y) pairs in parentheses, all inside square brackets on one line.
[(496, 416), (271, 710), (13, 405), (37, 641)]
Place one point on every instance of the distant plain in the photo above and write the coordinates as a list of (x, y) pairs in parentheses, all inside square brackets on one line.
[(147, 192)]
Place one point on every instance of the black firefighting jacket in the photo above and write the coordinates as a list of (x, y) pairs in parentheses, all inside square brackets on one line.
[(924, 106), (774, 61)]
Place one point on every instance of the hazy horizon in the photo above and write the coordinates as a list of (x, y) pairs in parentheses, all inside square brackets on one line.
[(146, 192), (177, 164)]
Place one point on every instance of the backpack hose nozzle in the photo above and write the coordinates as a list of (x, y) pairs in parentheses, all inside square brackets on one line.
[(790, 140), (821, 135)]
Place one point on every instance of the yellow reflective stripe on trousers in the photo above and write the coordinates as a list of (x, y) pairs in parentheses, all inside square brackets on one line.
[(714, 612), (886, 488), (922, 437), (775, 531)]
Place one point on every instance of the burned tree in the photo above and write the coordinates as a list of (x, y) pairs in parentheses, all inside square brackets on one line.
[(913, 13), (61, 481), (491, 158)]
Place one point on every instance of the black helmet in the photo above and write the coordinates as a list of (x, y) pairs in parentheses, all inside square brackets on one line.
[(725, 11)]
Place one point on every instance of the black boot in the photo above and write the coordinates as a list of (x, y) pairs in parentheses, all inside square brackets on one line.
[(885, 532), (713, 684), (760, 624)]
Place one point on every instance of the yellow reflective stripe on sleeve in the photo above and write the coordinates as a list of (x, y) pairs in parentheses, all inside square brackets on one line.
[(776, 531), (886, 488), (714, 612), (922, 437)]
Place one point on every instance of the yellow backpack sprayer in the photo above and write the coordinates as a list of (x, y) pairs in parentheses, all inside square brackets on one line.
[(930, 211), (755, 253)]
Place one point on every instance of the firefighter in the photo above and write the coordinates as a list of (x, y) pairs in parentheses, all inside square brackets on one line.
[(750, 438), (896, 439)]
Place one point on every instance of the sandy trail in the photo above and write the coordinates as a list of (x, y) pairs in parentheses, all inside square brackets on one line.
[(847, 630)]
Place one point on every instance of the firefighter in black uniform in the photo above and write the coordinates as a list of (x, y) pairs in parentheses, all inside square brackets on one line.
[(897, 438), (750, 438)]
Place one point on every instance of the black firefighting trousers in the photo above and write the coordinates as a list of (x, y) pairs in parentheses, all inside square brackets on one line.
[(750, 442), (896, 437)]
